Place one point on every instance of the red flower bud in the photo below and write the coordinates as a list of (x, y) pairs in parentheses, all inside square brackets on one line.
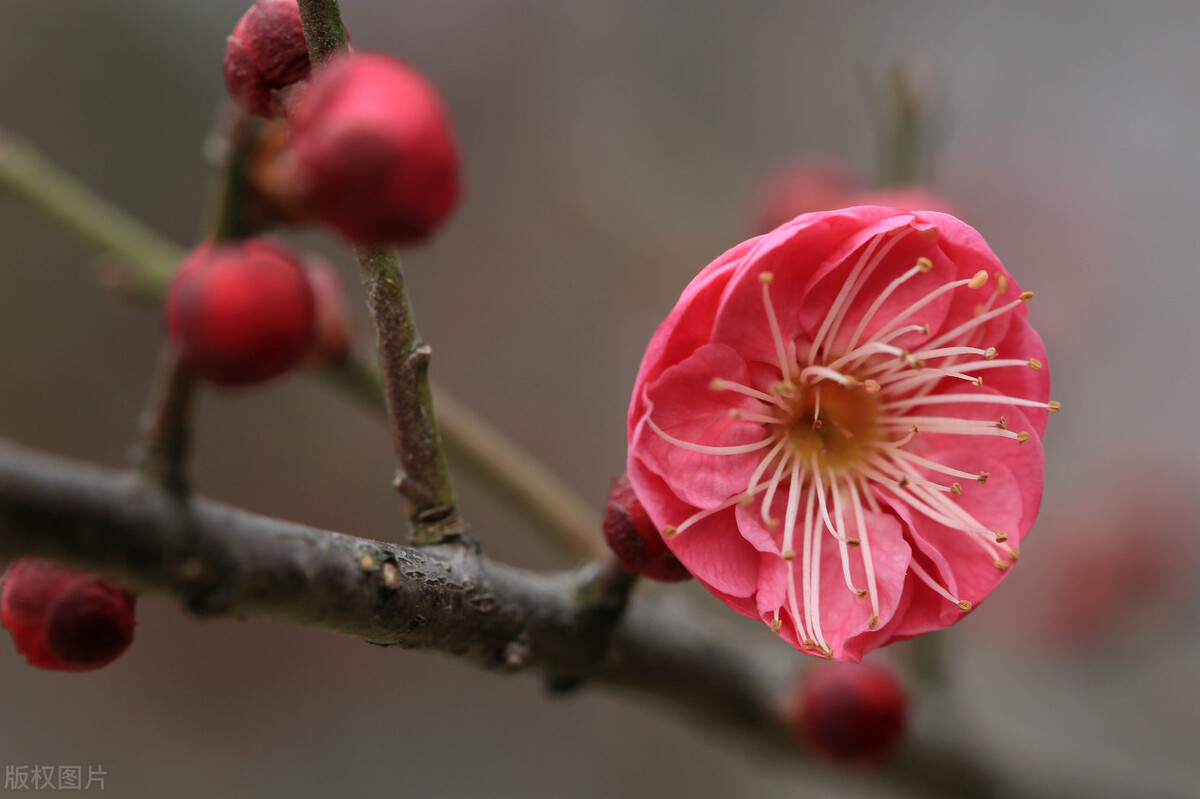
[(332, 340), (64, 620), (816, 183), (851, 712), (241, 312), (375, 157), (266, 53), (823, 183), (635, 540)]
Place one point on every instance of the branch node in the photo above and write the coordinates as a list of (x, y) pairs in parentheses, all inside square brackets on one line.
[(390, 573), (417, 493), (516, 654), (418, 359), (442, 525)]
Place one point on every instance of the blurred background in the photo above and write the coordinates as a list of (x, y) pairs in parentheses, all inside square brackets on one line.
[(611, 150)]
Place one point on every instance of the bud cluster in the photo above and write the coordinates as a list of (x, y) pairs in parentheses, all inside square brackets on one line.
[(372, 154)]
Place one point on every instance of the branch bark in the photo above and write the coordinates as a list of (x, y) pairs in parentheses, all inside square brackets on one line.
[(404, 367), (220, 561)]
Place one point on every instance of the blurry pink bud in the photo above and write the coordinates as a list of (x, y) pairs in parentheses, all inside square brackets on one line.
[(824, 183), (908, 198), (63, 620), (853, 713), (816, 183), (375, 156), (332, 339)]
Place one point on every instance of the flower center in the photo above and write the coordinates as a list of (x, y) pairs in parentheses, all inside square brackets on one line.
[(830, 423)]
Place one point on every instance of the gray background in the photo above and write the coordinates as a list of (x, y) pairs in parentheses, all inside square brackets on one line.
[(609, 151)]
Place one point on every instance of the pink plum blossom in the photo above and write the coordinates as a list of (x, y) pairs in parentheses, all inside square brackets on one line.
[(838, 428)]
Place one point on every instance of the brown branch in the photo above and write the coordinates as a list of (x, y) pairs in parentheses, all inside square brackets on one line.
[(218, 560), (424, 480), (160, 453), (404, 368)]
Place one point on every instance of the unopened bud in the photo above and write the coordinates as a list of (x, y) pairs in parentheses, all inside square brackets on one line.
[(65, 620), (634, 539), (850, 712), (374, 154), (266, 54), (241, 312)]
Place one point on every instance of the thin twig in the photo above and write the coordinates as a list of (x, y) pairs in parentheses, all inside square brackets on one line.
[(404, 366), (164, 436), (240, 134), (42, 184), (323, 28), (424, 481)]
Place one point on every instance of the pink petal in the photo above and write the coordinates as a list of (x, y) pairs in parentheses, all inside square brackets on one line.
[(689, 325), (797, 255), (684, 406), (711, 549)]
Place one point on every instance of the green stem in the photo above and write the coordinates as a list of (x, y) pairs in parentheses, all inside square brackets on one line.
[(323, 28), (902, 130), (151, 258), (551, 504), (241, 138)]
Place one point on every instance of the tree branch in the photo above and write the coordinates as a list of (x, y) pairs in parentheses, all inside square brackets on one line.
[(220, 561), (433, 513), (404, 365)]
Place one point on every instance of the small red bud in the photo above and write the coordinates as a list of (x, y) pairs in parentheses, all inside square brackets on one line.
[(822, 183), (265, 54), (64, 620), (332, 340), (635, 540), (909, 197), (241, 312), (851, 712), (816, 183), (374, 154)]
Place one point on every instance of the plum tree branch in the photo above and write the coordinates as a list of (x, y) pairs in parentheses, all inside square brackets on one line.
[(433, 512), (220, 561), (404, 365)]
